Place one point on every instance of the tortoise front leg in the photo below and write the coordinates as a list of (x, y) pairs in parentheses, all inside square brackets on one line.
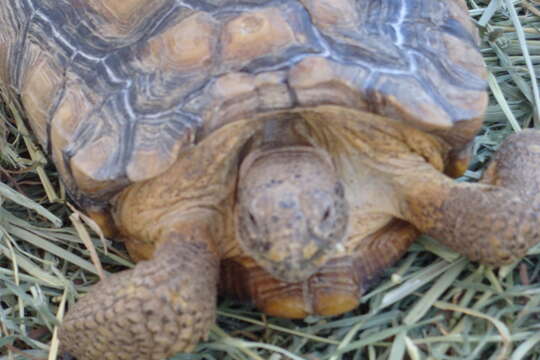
[(494, 222), (161, 307)]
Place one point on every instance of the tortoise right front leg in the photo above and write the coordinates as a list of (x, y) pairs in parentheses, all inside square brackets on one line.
[(161, 307), (494, 222)]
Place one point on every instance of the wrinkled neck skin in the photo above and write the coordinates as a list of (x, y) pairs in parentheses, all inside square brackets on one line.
[(291, 212)]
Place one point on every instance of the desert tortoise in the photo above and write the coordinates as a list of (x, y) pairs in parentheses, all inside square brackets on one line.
[(284, 151)]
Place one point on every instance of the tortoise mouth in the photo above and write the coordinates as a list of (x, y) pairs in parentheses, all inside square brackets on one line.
[(297, 266)]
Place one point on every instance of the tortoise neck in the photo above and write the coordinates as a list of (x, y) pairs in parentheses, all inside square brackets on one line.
[(282, 132)]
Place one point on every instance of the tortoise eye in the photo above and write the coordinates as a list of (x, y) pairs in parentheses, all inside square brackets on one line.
[(326, 214), (252, 219)]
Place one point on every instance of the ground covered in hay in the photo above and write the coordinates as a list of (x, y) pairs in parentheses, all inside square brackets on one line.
[(433, 304)]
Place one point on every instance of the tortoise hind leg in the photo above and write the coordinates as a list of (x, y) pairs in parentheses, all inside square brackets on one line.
[(161, 307), (494, 222)]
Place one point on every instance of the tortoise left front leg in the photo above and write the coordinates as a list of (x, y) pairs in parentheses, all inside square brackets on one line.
[(495, 221), (163, 306)]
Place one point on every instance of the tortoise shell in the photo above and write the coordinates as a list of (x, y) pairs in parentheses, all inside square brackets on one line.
[(115, 90)]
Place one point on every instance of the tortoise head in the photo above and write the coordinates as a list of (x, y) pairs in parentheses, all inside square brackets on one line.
[(292, 214)]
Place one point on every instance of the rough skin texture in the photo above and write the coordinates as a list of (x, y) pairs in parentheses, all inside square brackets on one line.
[(494, 222), (161, 307)]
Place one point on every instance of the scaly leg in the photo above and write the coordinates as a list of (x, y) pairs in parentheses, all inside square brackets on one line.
[(494, 222), (161, 307)]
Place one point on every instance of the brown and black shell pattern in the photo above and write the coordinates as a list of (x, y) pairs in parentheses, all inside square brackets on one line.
[(114, 90)]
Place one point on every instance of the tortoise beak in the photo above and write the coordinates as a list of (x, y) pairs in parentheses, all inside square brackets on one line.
[(290, 260)]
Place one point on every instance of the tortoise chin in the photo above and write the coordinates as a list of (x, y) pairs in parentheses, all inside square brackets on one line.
[(292, 213)]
